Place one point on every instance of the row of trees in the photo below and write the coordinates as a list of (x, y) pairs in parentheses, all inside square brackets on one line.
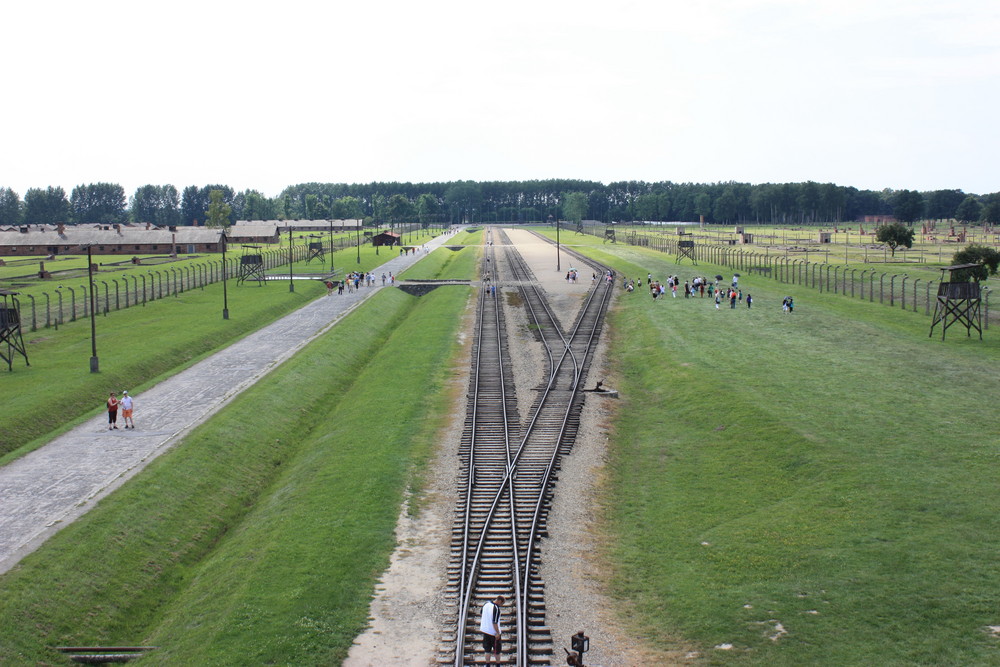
[(501, 201)]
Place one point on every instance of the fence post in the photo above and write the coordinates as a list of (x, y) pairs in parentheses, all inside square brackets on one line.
[(902, 292), (143, 276), (48, 317), (916, 281), (125, 280), (34, 325), (86, 302), (72, 303), (118, 305), (107, 298)]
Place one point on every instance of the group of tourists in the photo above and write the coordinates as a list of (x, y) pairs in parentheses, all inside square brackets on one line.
[(355, 280), (698, 286)]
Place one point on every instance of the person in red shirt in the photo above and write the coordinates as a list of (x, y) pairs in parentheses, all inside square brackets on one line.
[(112, 411)]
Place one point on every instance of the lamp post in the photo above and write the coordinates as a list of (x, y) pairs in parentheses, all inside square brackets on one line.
[(94, 363), (558, 265), (225, 294), (331, 246), (291, 283)]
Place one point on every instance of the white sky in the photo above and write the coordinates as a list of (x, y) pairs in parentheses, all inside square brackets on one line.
[(869, 93)]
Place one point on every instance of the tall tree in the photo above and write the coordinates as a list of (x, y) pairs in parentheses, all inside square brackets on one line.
[(941, 204), (192, 206), (970, 210), (463, 198), (398, 208), (102, 203), (156, 204), (908, 206), (218, 211), (986, 257), (48, 206), (10, 207), (895, 234), (574, 206), (427, 206)]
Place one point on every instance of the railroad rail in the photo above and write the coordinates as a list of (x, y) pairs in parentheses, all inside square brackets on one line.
[(508, 470)]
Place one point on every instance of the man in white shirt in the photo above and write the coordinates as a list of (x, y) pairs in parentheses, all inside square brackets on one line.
[(489, 625), (126, 406)]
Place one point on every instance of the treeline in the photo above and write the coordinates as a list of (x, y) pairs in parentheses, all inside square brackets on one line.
[(500, 201)]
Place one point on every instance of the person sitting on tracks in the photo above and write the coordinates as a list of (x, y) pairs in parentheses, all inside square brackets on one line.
[(489, 625)]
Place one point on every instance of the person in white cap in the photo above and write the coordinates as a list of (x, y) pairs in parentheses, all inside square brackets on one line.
[(126, 405)]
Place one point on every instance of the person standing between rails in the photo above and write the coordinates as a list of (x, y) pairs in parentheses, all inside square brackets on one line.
[(126, 404), (489, 625), (112, 411)]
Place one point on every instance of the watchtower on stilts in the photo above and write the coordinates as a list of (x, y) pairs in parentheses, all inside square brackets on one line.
[(609, 234), (686, 249), (958, 301), (11, 340), (251, 265), (315, 251)]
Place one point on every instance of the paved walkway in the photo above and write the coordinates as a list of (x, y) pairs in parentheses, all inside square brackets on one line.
[(50, 487)]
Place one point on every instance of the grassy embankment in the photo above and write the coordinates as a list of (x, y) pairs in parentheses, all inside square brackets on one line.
[(258, 539), (445, 264), (807, 488)]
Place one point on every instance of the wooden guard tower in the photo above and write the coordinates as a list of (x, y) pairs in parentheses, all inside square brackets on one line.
[(315, 251), (10, 329), (958, 302), (609, 234), (251, 265), (685, 248)]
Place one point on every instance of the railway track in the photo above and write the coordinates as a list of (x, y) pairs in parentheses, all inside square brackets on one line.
[(509, 468)]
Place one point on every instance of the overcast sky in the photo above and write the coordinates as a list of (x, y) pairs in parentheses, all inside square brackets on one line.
[(870, 93)]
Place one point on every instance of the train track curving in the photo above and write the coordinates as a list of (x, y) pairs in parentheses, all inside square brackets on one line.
[(508, 468)]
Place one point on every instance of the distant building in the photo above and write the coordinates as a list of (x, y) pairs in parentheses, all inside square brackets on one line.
[(144, 239)]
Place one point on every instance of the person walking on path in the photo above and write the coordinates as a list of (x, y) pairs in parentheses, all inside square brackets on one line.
[(749, 300), (489, 625), (112, 411), (126, 404)]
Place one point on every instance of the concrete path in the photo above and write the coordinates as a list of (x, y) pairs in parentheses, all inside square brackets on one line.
[(50, 487)]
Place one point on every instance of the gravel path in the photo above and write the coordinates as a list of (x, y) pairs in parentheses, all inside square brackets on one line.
[(410, 613)]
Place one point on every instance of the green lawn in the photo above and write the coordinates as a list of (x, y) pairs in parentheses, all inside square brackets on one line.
[(827, 473), (256, 540), (446, 264)]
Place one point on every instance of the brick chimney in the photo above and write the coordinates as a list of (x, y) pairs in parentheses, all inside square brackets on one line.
[(61, 229), (148, 226)]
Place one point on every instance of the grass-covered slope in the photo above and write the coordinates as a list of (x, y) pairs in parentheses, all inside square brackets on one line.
[(257, 540)]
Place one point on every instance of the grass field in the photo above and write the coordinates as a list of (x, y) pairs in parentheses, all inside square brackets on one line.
[(805, 488), (256, 540)]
